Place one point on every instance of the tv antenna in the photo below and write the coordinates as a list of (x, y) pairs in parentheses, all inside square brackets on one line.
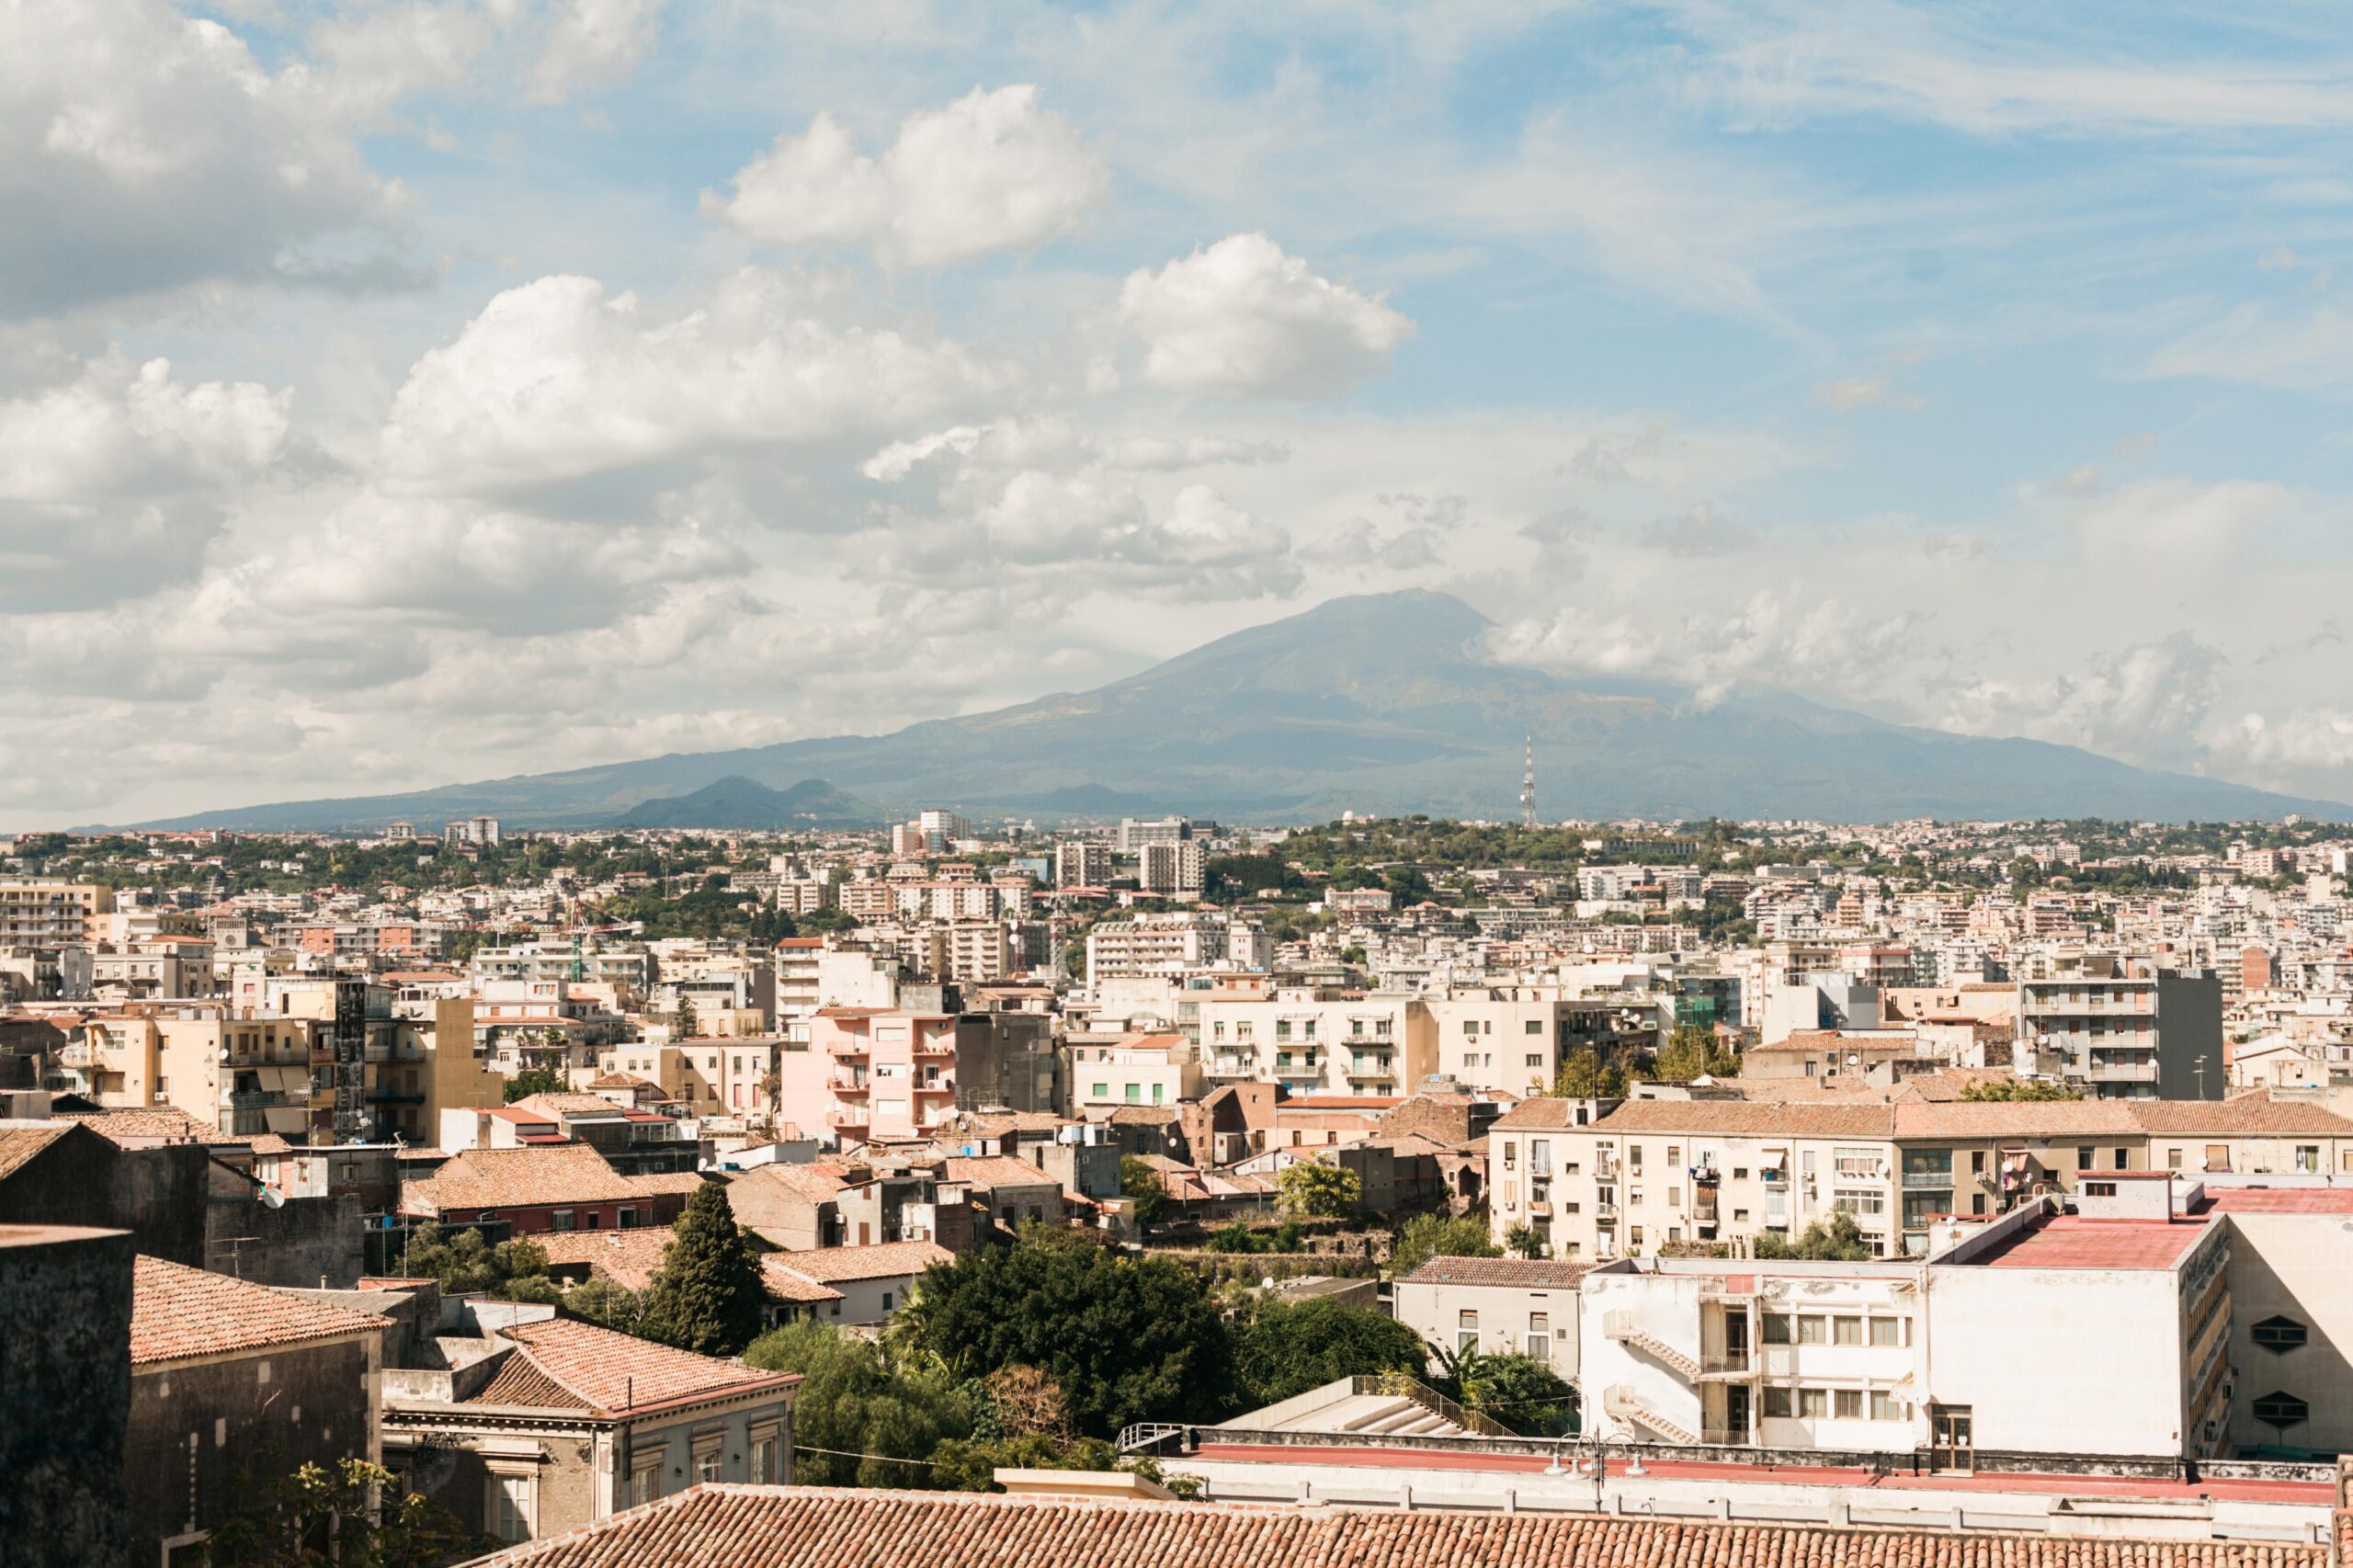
[(1528, 789)]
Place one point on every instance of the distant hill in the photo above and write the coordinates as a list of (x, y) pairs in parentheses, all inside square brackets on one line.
[(1380, 703), (743, 805)]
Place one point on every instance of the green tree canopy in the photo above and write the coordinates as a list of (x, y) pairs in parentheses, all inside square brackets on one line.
[(1519, 1390), (467, 1265), (352, 1515), (1283, 1348), (1126, 1339), (708, 1297), (1693, 1051), (2021, 1089), (1313, 1191), (850, 1404), (1835, 1239), (1140, 1182), (1425, 1237), (1585, 1076), (535, 1080)]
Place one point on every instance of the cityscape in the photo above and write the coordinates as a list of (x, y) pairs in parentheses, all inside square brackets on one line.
[(1097, 786)]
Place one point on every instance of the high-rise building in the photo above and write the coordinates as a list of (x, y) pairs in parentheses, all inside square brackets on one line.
[(1135, 834), (1082, 863), (1177, 870)]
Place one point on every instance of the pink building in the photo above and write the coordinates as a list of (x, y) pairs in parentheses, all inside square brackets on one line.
[(871, 1073)]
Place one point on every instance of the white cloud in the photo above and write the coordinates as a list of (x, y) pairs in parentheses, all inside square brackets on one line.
[(591, 44), (990, 172), (558, 379), (116, 483), (1242, 319), (156, 149)]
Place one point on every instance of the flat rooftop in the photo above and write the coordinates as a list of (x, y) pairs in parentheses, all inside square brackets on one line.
[(2278, 1201), (2071, 1240)]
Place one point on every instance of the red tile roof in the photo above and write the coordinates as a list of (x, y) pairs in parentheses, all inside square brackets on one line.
[(881, 1260), (1533, 1274), (178, 1312), (606, 1371), (520, 1179), (771, 1527)]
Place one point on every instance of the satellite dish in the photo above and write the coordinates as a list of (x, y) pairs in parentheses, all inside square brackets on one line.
[(271, 1197)]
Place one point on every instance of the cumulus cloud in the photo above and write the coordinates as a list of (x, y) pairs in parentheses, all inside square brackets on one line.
[(591, 44), (2149, 702), (559, 378), (156, 149), (1012, 443), (114, 482), (1242, 319), (991, 172)]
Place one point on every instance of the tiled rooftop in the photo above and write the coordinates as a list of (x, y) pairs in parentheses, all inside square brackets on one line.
[(882, 1260), (1528, 1273), (762, 1527), (610, 1371), (178, 1312)]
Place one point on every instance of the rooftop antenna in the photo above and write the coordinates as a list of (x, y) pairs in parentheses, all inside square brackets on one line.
[(1528, 789)]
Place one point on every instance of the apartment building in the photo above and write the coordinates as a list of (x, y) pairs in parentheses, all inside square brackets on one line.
[(707, 1077), (1176, 870), (1658, 1174), (1133, 1070), (1316, 1041), (1151, 945), (871, 1073), (1497, 1306), (1082, 863), (2122, 1027), (46, 911)]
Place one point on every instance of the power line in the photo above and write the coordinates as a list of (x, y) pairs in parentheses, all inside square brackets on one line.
[(847, 1454)]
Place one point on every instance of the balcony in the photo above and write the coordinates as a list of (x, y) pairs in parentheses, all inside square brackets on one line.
[(1730, 1368), (1540, 1207), (845, 1084), (1604, 1214), (1930, 1180), (846, 1048), (940, 1088)]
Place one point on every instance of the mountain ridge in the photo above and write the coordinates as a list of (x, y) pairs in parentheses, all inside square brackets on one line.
[(1380, 703)]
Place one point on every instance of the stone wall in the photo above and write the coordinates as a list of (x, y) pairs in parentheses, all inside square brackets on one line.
[(65, 1394)]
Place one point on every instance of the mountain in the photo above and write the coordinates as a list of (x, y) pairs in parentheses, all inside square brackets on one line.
[(745, 805), (1380, 703)]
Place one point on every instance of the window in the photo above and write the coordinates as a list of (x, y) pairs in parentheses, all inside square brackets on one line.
[(1848, 1403), (2278, 1335), (2308, 1157), (2099, 1189), (2281, 1410), (2084, 1157), (1777, 1404), (1102, 1091), (1634, 1158), (1813, 1404), (1675, 1154), (1887, 1330), (1466, 1330), (1511, 1154), (1885, 1406), (1535, 1025), (764, 1466), (510, 1507), (1810, 1329), (559, 1221), (1534, 1059), (1845, 1331), (2123, 1160), (1777, 1329)]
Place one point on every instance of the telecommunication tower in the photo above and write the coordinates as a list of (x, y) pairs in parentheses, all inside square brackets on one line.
[(1528, 789)]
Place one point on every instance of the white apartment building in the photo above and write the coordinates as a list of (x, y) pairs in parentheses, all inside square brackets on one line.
[(1500, 1039), (1652, 1173), (1136, 1070), (1167, 944), (1499, 1305), (1319, 1041), (1082, 863)]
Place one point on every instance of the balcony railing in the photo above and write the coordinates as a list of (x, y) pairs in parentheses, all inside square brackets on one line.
[(1928, 1179)]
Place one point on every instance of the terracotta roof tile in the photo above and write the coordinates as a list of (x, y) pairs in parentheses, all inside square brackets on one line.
[(882, 1260), (611, 1372), (1533, 1274), (178, 1312), (772, 1527), (19, 1144), (786, 1283), (518, 1179)]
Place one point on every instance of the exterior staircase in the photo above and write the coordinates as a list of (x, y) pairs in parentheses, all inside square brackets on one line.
[(1622, 1327), (1621, 1403)]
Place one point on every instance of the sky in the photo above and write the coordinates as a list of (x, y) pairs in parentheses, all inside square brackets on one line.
[(400, 394)]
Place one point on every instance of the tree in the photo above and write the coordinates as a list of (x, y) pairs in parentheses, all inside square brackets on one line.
[(854, 1421), (1521, 1392), (1692, 1051), (602, 1301), (1283, 1348), (1310, 1189), (1126, 1339), (1525, 1240), (2021, 1089), (1141, 1183), (1425, 1237), (1835, 1239), (683, 1025), (535, 1080), (467, 1265), (708, 1297), (319, 1515), (1585, 1076)]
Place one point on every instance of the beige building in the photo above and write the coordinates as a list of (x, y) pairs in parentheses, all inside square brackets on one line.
[(1498, 1305), (1655, 1174), (44, 911), (1320, 1041), (1135, 1070)]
